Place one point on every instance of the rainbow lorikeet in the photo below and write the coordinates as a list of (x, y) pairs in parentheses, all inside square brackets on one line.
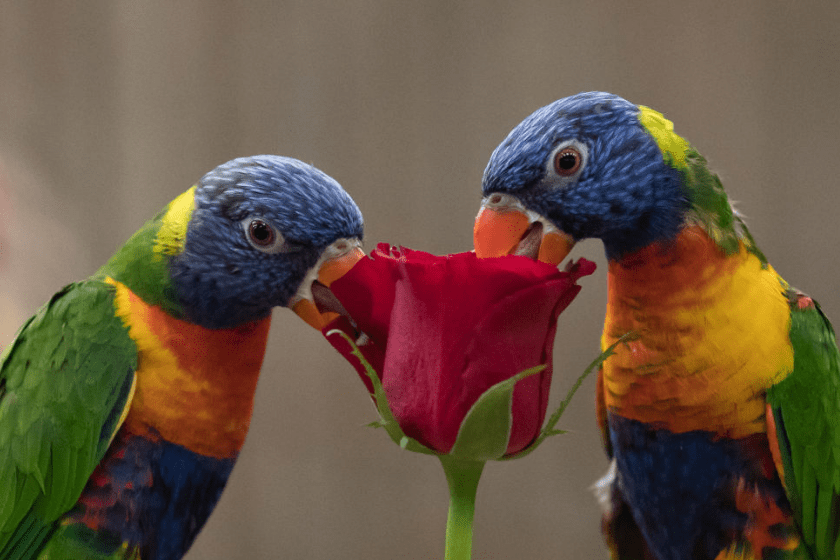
[(124, 401), (721, 417)]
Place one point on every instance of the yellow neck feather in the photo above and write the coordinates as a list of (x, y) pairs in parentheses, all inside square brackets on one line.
[(713, 336)]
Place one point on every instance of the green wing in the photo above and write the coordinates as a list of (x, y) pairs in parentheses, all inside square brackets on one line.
[(806, 410), (64, 384)]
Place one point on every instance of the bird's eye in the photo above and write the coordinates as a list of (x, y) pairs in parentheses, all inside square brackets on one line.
[(262, 235), (567, 161)]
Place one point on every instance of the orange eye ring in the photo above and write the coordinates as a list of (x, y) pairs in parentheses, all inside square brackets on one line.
[(567, 161)]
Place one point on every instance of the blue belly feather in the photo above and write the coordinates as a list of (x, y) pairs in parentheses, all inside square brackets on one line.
[(152, 494), (681, 487)]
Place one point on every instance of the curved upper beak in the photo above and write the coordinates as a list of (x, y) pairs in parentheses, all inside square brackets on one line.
[(505, 227), (314, 303)]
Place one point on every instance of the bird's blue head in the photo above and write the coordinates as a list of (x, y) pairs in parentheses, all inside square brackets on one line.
[(260, 226), (254, 233), (589, 165)]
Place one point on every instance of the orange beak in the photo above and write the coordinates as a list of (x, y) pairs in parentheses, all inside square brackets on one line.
[(499, 229), (334, 269), (330, 271)]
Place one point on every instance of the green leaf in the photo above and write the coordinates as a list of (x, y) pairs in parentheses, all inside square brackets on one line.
[(485, 430), (387, 419), (549, 430)]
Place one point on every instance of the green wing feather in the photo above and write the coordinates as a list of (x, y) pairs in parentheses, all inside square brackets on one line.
[(64, 384), (806, 410)]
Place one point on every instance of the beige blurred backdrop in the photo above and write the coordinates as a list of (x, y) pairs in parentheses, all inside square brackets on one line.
[(110, 109)]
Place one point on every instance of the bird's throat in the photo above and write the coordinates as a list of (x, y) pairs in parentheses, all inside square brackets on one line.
[(195, 386)]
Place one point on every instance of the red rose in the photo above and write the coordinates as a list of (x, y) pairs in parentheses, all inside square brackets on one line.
[(442, 330)]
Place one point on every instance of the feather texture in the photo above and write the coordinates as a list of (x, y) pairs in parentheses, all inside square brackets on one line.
[(721, 416), (125, 400), (57, 422)]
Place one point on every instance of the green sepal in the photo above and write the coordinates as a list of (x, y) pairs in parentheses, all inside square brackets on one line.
[(485, 431), (386, 417), (549, 427)]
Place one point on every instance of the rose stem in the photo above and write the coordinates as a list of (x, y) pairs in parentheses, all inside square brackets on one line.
[(462, 476)]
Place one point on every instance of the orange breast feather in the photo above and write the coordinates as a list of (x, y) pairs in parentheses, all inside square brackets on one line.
[(195, 386), (713, 335)]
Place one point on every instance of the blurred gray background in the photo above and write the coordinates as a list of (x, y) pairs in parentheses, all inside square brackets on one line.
[(110, 109)]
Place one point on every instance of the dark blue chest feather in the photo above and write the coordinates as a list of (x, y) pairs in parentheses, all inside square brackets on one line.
[(153, 494), (681, 488)]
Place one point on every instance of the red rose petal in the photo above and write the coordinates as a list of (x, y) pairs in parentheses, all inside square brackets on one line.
[(445, 329)]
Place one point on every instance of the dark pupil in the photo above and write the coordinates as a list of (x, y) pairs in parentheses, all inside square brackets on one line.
[(261, 233), (567, 161)]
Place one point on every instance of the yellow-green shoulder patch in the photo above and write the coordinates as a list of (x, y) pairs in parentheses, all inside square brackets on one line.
[(172, 234), (670, 143), (122, 311)]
